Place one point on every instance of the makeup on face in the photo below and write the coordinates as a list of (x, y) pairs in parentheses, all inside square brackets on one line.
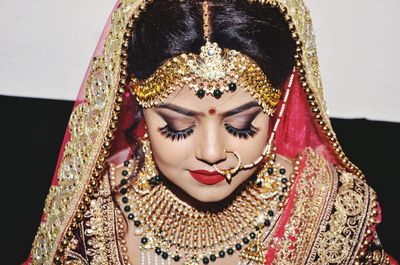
[(189, 136), (180, 122), (206, 177)]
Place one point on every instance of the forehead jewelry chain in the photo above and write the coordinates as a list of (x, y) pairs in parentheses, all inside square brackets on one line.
[(213, 72), (206, 21), (229, 173)]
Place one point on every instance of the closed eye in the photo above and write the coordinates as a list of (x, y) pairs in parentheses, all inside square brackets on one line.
[(245, 133), (177, 135)]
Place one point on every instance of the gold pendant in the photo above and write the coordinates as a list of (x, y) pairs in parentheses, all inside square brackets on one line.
[(254, 252)]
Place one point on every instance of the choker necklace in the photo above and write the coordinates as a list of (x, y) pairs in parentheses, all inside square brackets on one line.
[(175, 231)]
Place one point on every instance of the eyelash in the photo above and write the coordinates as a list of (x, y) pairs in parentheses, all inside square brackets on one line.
[(245, 133), (172, 134)]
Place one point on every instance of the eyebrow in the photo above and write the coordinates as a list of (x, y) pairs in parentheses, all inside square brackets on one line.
[(241, 108), (180, 110), (192, 113)]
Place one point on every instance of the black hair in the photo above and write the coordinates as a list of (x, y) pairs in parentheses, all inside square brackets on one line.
[(169, 28)]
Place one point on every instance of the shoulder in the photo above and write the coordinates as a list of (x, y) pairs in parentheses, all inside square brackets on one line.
[(94, 240), (349, 215)]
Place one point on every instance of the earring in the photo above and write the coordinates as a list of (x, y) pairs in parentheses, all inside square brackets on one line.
[(148, 176), (270, 178)]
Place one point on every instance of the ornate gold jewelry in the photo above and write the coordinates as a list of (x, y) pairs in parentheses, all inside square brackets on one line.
[(229, 173), (149, 169), (213, 72), (174, 230)]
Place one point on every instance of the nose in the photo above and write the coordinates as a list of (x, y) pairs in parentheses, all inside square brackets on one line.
[(210, 146)]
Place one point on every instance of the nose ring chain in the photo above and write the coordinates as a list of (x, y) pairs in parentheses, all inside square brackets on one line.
[(229, 173)]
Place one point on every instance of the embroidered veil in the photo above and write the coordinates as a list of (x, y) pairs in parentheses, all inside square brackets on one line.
[(104, 109)]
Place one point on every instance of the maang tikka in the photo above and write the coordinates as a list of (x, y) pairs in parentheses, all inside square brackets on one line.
[(212, 72)]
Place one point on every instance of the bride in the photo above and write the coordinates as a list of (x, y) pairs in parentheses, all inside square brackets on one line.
[(201, 136)]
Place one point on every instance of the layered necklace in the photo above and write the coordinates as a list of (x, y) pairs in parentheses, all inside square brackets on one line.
[(177, 232)]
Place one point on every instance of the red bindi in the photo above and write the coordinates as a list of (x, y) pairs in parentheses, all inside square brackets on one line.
[(212, 111)]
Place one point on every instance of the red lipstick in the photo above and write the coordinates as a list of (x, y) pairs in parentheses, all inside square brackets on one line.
[(206, 177)]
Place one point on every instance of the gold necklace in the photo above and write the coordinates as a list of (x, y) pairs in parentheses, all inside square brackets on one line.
[(174, 230)]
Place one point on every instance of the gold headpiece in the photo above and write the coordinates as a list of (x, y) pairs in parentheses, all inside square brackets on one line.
[(213, 72)]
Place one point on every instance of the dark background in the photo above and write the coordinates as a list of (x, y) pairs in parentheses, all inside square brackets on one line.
[(31, 135)]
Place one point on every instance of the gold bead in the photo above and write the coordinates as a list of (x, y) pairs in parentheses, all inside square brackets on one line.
[(107, 144), (124, 63), (69, 234), (315, 110), (117, 109), (295, 36), (128, 34), (64, 243), (125, 46), (94, 183), (129, 26), (283, 10), (90, 191), (83, 208), (74, 225)]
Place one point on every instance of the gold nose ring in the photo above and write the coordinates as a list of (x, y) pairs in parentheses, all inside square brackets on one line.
[(229, 173)]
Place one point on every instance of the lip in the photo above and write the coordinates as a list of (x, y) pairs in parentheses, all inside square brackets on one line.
[(207, 177)]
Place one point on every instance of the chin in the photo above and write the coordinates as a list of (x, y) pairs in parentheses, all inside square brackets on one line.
[(210, 194)]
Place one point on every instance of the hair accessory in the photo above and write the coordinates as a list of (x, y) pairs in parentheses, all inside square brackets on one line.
[(212, 72)]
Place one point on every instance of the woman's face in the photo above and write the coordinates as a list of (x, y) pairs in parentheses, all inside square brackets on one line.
[(188, 135)]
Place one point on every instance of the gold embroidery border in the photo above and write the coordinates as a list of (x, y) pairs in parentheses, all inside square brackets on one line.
[(93, 123), (312, 193), (353, 223)]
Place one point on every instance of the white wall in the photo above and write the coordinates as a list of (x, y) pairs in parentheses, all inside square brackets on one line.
[(45, 47)]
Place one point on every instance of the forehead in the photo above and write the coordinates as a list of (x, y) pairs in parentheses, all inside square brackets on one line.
[(186, 97)]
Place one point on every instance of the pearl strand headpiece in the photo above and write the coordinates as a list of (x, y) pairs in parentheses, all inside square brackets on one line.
[(212, 72)]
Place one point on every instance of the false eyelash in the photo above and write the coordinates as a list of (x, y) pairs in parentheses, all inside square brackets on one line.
[(245, 133), (172, 134)]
